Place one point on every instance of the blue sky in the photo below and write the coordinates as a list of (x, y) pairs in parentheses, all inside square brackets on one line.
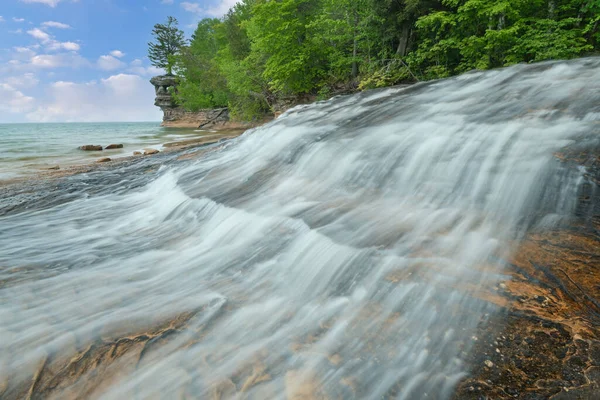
[(85, 60)]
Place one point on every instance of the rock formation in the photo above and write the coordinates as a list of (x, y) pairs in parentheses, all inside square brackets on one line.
[(176, 116), (91, 147)]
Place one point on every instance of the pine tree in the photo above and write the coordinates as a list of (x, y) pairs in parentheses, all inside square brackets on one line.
[(169, 40)]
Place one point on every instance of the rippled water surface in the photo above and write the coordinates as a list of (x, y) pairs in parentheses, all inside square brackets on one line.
[(335, 251), (25, 149)]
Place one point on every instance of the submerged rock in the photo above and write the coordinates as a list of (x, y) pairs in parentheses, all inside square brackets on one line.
[(137, 153), (90, 147), (103, 160), (113, 146), (54, 167)]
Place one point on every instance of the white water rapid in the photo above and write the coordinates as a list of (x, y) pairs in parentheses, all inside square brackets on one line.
[(336, 250)]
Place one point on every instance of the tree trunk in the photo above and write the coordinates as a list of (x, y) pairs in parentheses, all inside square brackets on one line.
[(355, 46), (404, 36)]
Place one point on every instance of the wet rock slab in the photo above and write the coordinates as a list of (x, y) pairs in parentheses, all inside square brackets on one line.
[(545, 344)]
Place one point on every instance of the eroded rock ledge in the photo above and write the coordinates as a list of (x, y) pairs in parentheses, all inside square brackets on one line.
[(177, 117)]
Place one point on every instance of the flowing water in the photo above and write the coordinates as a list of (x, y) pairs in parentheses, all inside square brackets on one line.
[(340, 250)]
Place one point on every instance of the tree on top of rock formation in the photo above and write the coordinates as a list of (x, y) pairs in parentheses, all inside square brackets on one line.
[(169, 40)]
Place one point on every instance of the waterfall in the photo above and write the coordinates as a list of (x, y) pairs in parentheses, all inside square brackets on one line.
[(343, 250)]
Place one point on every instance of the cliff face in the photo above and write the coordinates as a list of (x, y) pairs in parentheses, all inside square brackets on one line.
[(175, 116)]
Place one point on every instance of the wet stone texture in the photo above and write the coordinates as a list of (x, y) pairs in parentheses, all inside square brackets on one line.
[(546, 343)]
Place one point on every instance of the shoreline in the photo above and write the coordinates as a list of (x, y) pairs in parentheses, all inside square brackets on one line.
[(170, 147)]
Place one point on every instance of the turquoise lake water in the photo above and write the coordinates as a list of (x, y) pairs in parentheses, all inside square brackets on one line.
[(29, 148)]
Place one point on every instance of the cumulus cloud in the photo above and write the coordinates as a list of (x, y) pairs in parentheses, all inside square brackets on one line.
[(191, 7), (69, 46), (13, 100), (18, 19), (117, 53), (137, 67), (146, 71), (51, 3), (50, 43), (218, 10), (39, 34), (58, 60), (122, 97), (47, 61), (54, 24), (27, 80), (109, 63), (19, 49)]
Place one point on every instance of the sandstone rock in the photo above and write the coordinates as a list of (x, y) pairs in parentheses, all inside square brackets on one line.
[(137, 153), (91, 147), (174, 115), (105, 159), (162, 85), (148, 152), (113, 146), (54, 167)]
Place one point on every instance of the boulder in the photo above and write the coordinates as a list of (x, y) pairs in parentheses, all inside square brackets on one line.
[(148, 152), (113, 146), (105, 159), (91, 147)]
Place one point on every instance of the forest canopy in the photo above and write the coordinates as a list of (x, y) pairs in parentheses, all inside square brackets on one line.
[(264, 53)]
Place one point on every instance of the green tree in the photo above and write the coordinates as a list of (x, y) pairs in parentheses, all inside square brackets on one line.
[(265, 53), (343, 28), (294, 64), (201, 83), (169, 40)]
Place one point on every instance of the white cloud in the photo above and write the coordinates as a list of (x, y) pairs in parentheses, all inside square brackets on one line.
[(50, 43), (109, 63), (167, 1), (13, 100), (121, 97), (22, 49), (1, 18), (47, 61), (149, 71), (26, 80), (69, 46), (16, 31), (18, 19), (117, 53), (39, 34), (191, 7), (54, 24), (217, 10), (59, 60), (51, 3), (22, 54), (137, 67)]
